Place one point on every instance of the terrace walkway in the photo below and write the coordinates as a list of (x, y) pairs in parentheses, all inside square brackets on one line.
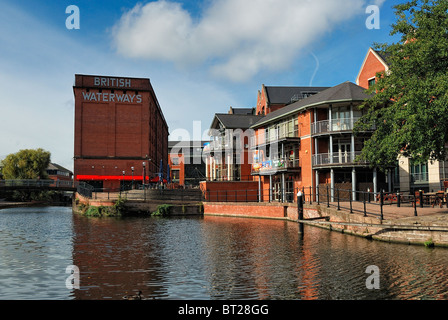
[(389, 211)]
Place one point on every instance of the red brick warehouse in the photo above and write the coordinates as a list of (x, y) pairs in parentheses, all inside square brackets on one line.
[(120, 131)]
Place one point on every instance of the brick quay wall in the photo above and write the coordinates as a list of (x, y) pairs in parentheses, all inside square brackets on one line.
[(430, 230)]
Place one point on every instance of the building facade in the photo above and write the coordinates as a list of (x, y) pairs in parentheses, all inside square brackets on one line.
[(57, 172), (227, 155), (121, 136), (187, 167), (311, 143)]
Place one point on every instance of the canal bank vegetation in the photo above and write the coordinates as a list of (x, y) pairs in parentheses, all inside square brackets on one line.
[(176, 209), (429, 243), (118, 209), (163, 210)]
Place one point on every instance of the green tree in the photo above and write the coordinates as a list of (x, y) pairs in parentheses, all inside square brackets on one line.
[(410, 106), (26, 164)]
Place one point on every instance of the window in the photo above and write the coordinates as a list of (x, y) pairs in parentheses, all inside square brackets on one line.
[(419, 172), (341, 118), (291, 127), (372, 82), (175, 175)]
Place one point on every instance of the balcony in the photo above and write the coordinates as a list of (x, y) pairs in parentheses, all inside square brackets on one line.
[(270, 167), (337, 159), (273, 136), (217, 145), (335, 125)]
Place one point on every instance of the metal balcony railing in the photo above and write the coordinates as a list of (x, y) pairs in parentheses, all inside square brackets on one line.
[(335, 125), (337, 158), (273, 135)]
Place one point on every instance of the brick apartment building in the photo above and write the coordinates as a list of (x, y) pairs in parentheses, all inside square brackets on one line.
[(306, 142), (121, 135), (304, 138), (311, 143)]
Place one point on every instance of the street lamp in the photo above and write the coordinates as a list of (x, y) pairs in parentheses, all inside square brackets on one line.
[(123, 179), (132, 186), (144, 173)]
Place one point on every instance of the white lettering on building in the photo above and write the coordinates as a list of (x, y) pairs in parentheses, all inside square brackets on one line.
[(112, 82), (111, 97)]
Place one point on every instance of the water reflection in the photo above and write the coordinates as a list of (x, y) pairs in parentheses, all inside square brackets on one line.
[(203, 258)]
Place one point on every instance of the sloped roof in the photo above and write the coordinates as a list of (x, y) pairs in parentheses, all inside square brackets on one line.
[(247, 111), (284, 95), (380, 56), (383, 55), (55, 166), (234, 121), (346, 91)]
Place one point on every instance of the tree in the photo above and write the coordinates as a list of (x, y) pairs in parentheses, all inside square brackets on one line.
[(26, 164), (409, 109)]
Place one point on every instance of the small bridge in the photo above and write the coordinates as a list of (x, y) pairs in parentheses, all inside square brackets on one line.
[(34, 185)]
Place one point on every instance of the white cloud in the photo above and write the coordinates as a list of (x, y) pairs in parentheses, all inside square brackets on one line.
[(235, 38)]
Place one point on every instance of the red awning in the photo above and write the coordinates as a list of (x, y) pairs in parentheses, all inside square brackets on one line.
[(157, 179)]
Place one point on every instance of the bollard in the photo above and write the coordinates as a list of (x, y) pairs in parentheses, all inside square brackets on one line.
[(364, 201), (398, 200), (381, 204), (351, 206), (311, 193), (339, 207), (300, 210), (420, 195), (415, 205)]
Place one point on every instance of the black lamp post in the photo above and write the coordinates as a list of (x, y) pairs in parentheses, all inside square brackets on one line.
[(123, 179), (132, 186), (144, 174), (144, 178)]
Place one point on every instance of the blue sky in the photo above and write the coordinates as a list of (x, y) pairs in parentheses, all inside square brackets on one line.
[(201, 57)]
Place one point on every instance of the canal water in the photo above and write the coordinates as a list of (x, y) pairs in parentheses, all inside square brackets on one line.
[(207, 258)]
